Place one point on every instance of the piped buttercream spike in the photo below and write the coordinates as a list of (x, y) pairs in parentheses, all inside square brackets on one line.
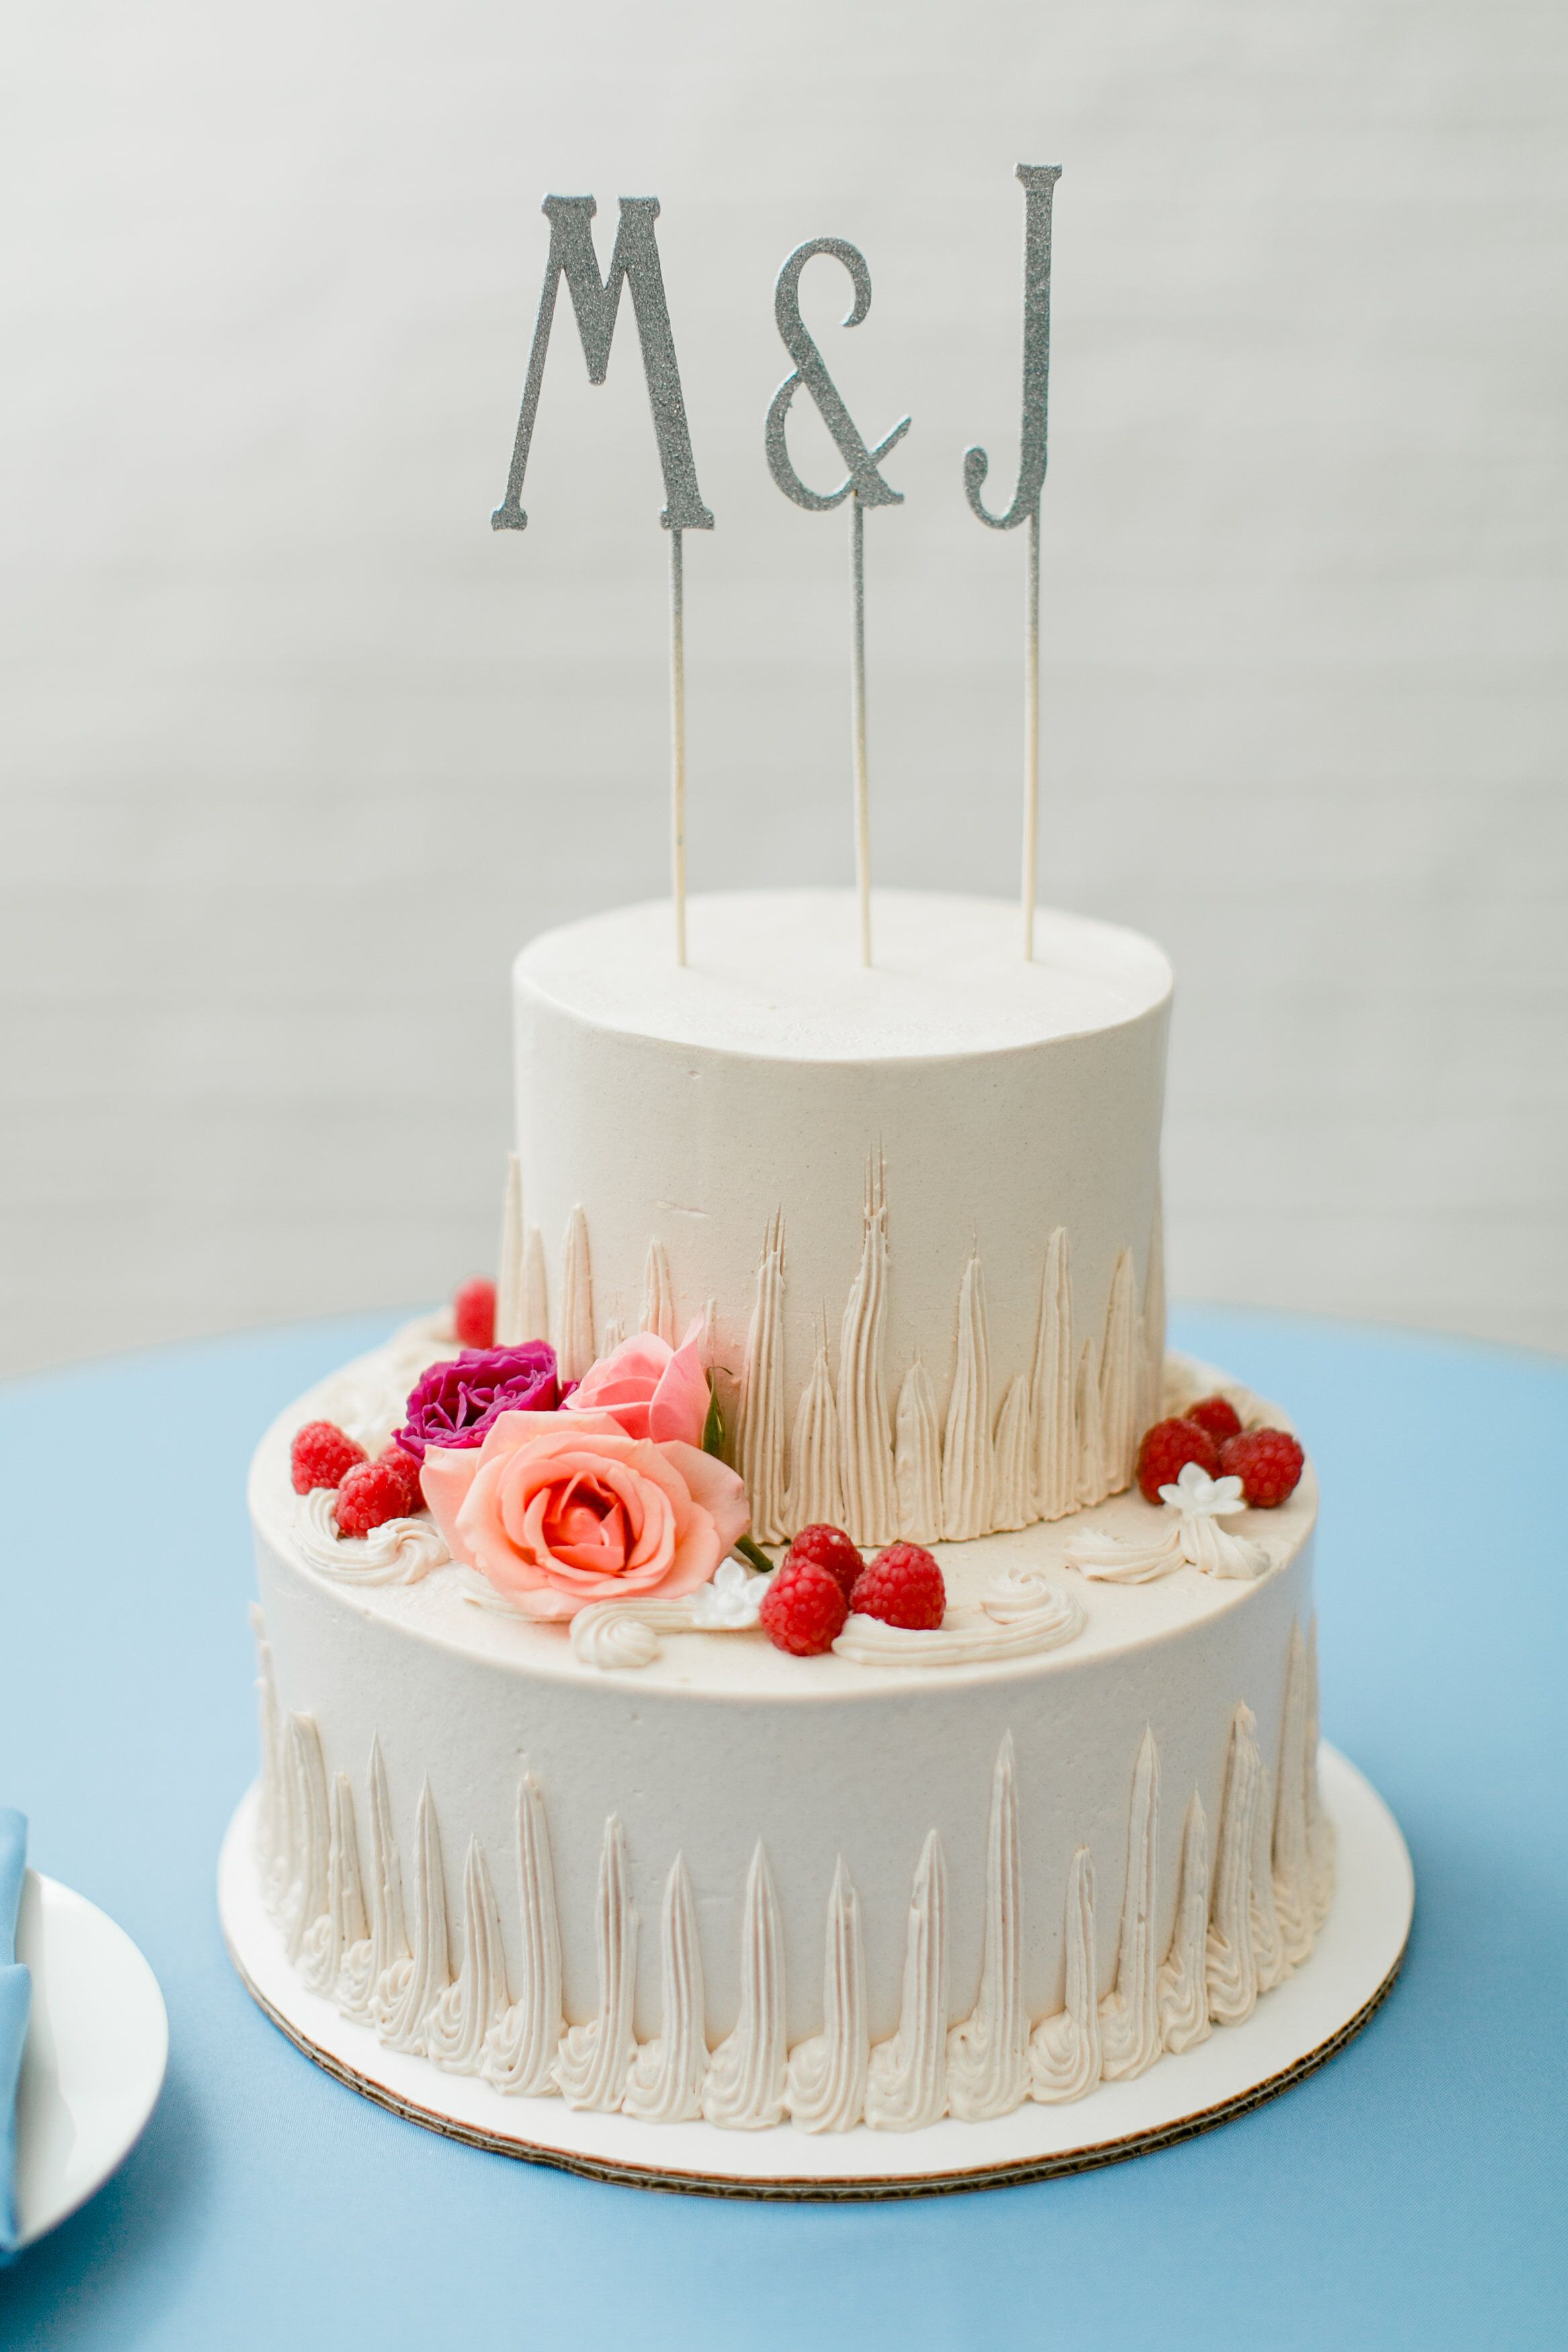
[(1184, 1990), (967, 1458), (521, 2047), (1231, 1969), (574, 1342), (743, 2087), (509, 1296), (906, 2079), (410, 1990), (760, 1435), (1129, 2014), (594, 2058), (1064, 2056), (987, 2063), (665, 2081), (866, 1461), (536, 1285), (658, 1295), (826, 2074), (476, 2001)]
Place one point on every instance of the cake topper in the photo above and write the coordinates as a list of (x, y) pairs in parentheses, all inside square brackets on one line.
[(863, 487), (1039, 181), (634, 261)]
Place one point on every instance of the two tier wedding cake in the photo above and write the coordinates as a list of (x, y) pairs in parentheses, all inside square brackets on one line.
[(595, 1767)]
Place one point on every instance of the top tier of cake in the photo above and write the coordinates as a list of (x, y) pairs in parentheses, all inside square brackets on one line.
[(918, 1203)]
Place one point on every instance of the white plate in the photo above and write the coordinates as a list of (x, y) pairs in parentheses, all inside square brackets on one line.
[(1292, 2030), (98, 2041)]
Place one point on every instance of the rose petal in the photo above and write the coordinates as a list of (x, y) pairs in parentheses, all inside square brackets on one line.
[(623, 1382), (716, 1488), (444, 1476), (679, 1409)]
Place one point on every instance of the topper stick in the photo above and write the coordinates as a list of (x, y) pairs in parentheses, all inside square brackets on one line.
[(857, 717), (1038, 180), (1031, 736), (678, 742), (864, 486)]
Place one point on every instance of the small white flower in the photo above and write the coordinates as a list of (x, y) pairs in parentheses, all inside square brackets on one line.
[(1196, 1496), (731, 1602), (1199, 1503)]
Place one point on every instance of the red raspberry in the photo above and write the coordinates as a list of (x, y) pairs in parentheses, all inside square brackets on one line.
[(1217, 1416), (371, 1495), (831, 1550), (406, 1468), (474, 1313), (1268, 1464), (1167, 1448), (903, 1586), (803, 1609), (322, 1455)]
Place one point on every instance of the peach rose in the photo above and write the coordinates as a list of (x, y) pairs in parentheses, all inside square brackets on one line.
[(558, 1509), (652, 1389)]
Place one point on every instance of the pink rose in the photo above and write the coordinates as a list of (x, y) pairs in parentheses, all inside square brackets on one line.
[(651, 1389), (558, 1509)]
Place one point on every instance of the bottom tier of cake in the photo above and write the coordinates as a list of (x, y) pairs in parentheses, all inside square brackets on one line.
[(1306, 2019), (656, 1866)]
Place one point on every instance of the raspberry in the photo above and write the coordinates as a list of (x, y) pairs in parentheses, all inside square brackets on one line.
[(1217, 1416), (1167, 1447), (803, 1609), (903, 1586), (831, 1550), (322, 1455), (1268, 1464), (474, 1313), (371, 1495), (406, 1468)]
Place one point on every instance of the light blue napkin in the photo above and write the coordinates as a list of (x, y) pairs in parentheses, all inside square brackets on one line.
[(15, 2000)]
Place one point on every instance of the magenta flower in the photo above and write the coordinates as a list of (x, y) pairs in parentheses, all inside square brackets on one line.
[(456, 1402)]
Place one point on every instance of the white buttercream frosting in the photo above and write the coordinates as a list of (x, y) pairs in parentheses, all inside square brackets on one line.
[(520, 2048), (340, 1914), (826, 2077), (664, 2082), (1197, 1503), (591, 2069), (745, 2085), (400, 1551), (906, 2076), (1129, 2014), (1064, 2055), (987, 2053), (610, 1633), (1184, 1992), (1021, 1615)]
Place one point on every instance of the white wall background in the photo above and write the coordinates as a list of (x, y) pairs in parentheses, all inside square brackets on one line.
[(296, 753)]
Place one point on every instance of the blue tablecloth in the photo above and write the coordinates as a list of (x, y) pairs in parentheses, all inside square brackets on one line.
[(1410, 2195)]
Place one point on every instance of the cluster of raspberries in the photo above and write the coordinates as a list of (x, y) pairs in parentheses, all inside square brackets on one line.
[(368, 1492), (822, 1578), (1267, 1461)]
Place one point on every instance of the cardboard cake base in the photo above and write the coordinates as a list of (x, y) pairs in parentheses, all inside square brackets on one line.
[(1293, 2030)]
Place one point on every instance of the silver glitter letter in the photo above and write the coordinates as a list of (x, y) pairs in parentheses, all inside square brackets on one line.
[(636, 261), (1038, 180), (865, 481)]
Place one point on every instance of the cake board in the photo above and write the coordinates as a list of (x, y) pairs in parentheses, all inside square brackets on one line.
[(1294, 2029)]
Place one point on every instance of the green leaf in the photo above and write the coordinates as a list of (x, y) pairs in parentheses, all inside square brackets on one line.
[(713, 1428)]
